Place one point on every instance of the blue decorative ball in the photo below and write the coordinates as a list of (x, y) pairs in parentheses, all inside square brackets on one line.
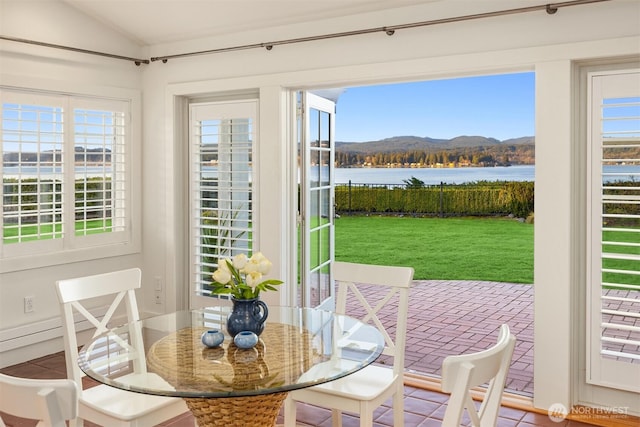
[(212, 338), (245, 339)]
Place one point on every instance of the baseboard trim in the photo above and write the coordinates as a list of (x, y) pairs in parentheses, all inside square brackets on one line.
[(510, 400), (25, 342), (583, 414)]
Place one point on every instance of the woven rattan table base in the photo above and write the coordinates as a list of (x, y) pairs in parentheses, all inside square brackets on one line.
[(247, 411), (185, 363)]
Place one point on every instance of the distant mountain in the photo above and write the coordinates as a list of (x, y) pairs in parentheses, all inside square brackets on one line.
[(518, 141), (416, 143), (82, 155), (415, 151)]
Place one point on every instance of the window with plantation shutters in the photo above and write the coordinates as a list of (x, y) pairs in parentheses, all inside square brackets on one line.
[(100, 169), (65, 172), (222, 140), (614, 237)]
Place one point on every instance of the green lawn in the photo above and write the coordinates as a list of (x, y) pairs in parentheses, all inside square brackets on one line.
[(450, 248), (46, 231)]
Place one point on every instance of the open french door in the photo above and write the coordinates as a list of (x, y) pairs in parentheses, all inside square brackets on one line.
[(316, 206)]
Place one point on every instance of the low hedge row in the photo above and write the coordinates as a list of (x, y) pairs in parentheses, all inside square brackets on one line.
[(481, 198)]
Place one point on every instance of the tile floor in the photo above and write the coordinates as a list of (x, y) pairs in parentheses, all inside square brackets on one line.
[(445, 317), (422, 408)]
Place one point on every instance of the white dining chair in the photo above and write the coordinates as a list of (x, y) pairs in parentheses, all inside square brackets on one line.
[(365, 390), (462, 373), (51, 402), (102, 404)]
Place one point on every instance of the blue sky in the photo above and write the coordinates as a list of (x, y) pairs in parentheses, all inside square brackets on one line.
[(496, 106)]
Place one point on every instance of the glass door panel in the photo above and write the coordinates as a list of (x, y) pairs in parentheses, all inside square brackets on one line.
[(316, 201)]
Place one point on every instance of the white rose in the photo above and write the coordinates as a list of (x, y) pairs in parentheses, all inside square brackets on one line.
[(222, 276), (264, 266), (251, 267), (254, 278), (239, 261), (223, 264), (257, 257)]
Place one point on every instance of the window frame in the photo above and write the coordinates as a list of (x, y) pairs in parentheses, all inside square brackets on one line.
[(76, 248)]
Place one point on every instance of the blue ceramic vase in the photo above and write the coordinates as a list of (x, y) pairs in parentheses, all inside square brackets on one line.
[(212, 338), (245, 339), (247, 315)]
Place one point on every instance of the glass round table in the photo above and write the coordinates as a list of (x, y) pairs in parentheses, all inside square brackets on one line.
[(228, 385)]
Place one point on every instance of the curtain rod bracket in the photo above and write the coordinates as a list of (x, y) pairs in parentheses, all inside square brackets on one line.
[(551, 9), (389, 32)]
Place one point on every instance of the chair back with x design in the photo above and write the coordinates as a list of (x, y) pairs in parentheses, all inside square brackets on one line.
[(120, 286), (379, 296), (102, 404)]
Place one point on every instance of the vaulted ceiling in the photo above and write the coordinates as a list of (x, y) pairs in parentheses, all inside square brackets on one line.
[(149, 22)]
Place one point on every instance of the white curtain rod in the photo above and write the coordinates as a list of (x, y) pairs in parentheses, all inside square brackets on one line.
[(550, 8)]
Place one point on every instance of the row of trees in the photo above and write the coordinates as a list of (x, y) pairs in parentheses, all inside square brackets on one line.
[(51, 158), (476, 156)]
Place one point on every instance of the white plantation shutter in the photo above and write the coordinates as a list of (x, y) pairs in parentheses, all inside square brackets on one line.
[(222, 140), (100, 168), (33, 143), (66, 173), (614, 240)]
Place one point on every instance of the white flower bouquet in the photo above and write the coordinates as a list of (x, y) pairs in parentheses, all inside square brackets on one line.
[(242, 277)]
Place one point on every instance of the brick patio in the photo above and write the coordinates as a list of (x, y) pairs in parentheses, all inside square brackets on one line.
[(454, 317)]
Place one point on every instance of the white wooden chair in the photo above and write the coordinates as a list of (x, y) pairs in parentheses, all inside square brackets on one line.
[(51, 402), (461, 373), (102, 404), (365, 390)]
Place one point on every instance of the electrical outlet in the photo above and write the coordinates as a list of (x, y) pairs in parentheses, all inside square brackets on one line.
[(28, 305), (158, 296)]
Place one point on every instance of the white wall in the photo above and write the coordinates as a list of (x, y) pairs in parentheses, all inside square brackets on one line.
[(52, 69), (548, 44)]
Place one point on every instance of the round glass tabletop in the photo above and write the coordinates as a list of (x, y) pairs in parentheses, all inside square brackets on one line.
[(164, 355)]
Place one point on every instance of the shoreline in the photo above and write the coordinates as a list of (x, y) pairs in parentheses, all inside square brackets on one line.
[(404, 166)]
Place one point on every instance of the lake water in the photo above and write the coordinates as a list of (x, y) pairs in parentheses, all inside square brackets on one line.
[(431, 176), (434, 176)]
